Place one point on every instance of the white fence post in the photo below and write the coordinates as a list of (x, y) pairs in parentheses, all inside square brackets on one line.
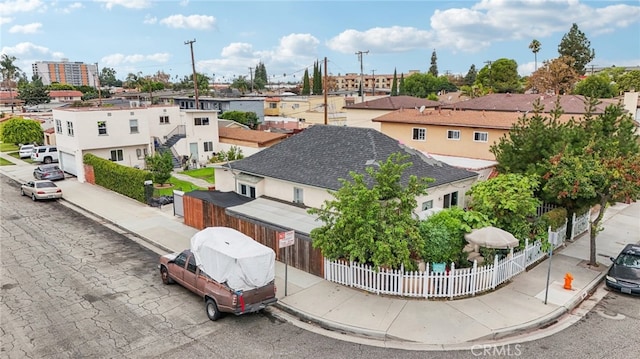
[(452, 280), (474, 277), (495, 272), (401, 280), (425, 284)]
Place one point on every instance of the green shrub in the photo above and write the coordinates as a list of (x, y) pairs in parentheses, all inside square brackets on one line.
[(125, 180)]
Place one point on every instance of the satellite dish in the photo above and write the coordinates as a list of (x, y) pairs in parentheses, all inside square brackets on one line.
[(422, 108), (449, 98)]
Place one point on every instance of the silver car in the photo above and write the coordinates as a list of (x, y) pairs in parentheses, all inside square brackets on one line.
[(42, 189), (51, 172)]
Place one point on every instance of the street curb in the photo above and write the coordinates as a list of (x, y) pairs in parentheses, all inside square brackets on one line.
[(333, 326), (548, 319)]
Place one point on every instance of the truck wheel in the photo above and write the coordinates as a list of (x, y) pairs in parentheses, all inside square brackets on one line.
[(164, 273), (212, 309), (47, 160)]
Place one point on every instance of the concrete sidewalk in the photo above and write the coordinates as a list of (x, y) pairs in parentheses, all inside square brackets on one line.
[(351, 314)]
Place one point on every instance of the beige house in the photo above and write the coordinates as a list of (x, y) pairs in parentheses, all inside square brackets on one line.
[(362, 114), (469, 128), (309, 110)]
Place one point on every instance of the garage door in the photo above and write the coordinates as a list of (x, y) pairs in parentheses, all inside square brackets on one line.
[(68, 163)]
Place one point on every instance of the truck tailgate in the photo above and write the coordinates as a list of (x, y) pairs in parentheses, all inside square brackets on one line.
[(256, 299)]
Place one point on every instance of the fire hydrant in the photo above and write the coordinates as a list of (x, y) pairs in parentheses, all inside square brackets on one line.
[(568, 278)]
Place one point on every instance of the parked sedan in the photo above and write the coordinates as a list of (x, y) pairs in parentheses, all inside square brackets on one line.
[(49, 172), (26, 150), (624, 273), (41, 189)]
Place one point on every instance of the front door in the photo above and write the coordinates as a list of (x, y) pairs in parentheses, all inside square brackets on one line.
[(193, 150)]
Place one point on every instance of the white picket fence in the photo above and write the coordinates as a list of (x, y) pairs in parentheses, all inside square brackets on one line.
[(580, 224), (449, 284)]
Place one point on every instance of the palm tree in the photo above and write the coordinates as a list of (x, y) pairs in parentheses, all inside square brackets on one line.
[(9, 73), (534, 46)]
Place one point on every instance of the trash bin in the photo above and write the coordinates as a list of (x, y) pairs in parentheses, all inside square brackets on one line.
[(148, 191)]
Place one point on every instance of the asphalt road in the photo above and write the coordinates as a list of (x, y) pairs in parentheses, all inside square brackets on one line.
[(73, 287)]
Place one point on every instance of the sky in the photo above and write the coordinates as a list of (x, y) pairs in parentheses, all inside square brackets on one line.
[(232, 37)]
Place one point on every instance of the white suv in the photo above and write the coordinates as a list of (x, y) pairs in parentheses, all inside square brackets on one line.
[(46, 154), (26, 150)]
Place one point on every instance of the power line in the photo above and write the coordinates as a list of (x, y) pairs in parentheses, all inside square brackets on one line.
[(360, 53)]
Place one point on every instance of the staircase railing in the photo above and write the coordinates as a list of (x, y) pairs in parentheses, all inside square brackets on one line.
[(180, 130)]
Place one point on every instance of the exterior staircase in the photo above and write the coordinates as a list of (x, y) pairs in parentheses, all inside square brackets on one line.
[(170, 140)]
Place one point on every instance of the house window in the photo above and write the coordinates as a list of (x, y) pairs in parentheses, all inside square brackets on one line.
[(419, 134), (139, 153), (247, 191), (108, 114), (102, 127), (131, 113), (208, 146), (480, 136), (59, 126), (133, 126), (427, 205), (201, 121), (70, 128), (298, 195), (164, 120), (453, 134), (146, 152), (117, 155), (273, 105), (450, 200)]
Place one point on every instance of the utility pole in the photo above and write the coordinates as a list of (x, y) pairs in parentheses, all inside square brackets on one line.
[(359, 53), (490, 76), (251, 74), (324, 89), (98, 85), (373, 82), (195, 78)]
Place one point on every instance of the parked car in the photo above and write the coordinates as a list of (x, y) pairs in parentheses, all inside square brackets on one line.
[(50, 172), (41, 189), (46, 154), (26, 150), (624, 273)]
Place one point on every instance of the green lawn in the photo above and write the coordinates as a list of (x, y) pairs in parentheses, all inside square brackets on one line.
[(178, 185), (205, 173), (8, 147), (4, 162)]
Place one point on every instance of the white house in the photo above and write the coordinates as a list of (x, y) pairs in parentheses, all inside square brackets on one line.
[(126, 134)]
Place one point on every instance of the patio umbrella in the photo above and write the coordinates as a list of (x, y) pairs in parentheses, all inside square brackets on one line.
[(492, 237)]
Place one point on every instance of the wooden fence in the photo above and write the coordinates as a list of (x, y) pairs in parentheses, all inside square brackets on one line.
[(455, 282)]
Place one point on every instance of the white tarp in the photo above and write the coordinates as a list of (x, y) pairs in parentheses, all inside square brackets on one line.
[(227, 255)]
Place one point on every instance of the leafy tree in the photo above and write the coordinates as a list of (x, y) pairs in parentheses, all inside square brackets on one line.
[(306, 87), (240, 83), (470, 77), (160, 165), (132, 81), (401, 90), (108, 78), (34, 93), (9, 71), (394, 84), (598, 86), (261, 79), (508, 201), (605, 171), (317, 79), (535, 46), (629, 81), (371, 218), (433, 69), (576, 45), (149, 85), (557, 76), (443, 234), (246, 118), (421, 85), (19, 130), (234, 153), (500, 76), (59, 86)]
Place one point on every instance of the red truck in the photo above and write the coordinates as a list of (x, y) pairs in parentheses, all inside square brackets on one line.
[(231, 271)]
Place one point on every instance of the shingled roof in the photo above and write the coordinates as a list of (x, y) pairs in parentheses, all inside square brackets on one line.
[(571, 104), (321, 155), (394, 103)]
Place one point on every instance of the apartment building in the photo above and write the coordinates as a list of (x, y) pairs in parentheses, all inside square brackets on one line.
[(65, 72)]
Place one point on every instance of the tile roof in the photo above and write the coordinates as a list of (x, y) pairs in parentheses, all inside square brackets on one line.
[(321, 155), (482, 119), (259, 137), (571, 104), (65, 93), (394, 103)]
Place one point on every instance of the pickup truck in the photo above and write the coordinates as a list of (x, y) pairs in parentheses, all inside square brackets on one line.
[(218, 297)]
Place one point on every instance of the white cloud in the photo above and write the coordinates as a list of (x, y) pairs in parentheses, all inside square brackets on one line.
[(5, 20), (129, 4), (25, 29), (71, 7), (150, 20), (197, 22), (295, 45), (382, 40), (15, 6), (237, 49), (184, 3), (25, 49), (114, 60), (475, 28)]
